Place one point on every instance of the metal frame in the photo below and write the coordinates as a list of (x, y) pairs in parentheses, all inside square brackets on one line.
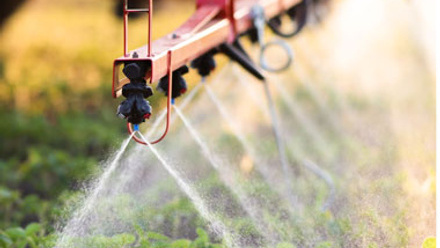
[(215, 22), (126, 12)]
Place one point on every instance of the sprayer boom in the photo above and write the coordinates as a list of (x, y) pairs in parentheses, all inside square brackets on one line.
[(215, 27)]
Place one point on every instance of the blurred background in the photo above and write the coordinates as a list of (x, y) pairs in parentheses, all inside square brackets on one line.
[(57, 115)]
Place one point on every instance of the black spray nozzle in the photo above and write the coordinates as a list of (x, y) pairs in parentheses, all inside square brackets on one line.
[(135, 70), (135, 108), (179, 83), (204, 64)]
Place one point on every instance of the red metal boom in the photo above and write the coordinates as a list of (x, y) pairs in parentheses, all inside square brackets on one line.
[(215, 22)]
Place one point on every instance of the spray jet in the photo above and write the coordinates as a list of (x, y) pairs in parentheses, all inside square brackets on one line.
[(215, 27)]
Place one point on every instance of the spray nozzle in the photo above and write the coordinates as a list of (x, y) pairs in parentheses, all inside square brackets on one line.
[(136, 127), (135, 108), (179, 83), (204, 64)]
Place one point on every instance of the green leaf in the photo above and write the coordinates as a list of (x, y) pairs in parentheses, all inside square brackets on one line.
[(22, 243), (5, 241), (123, 239), (143, 239), (156, 236), (160, 244), (181, 243), (32, 229), (16, 233), (203, 236), (31, 242)]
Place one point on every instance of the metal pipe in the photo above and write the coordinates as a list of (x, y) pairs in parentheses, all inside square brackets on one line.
[(150, 19), (125, 28)]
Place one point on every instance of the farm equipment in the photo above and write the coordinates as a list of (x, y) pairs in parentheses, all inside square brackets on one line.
[(215, 27)]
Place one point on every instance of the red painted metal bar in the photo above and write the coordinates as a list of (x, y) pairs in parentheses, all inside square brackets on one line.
[(125, 28), (127, 11), (202, 32), (150, 20)]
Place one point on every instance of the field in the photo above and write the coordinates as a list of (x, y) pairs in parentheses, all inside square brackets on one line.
[(356, 111)]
